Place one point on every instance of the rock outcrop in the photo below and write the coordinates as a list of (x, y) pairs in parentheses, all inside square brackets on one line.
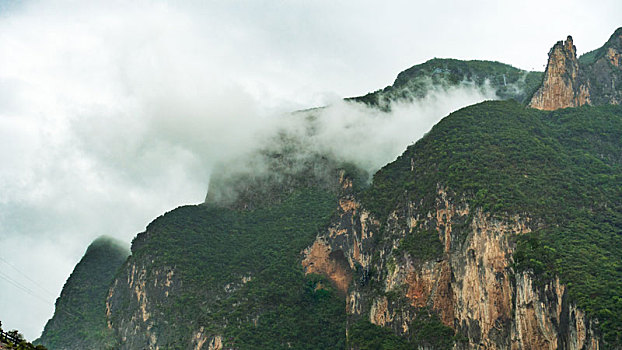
[(595, 78), (561, 86), (138, 293), (603, 68)]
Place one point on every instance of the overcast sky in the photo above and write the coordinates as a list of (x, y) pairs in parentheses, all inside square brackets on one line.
[(113, 112)]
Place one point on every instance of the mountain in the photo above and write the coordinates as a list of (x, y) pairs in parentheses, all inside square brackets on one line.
[(500, 229), (595, 78), (418, 81), (79, 321), (504, 221)]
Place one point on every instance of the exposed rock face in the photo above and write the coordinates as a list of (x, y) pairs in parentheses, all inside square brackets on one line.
[(546, 320), (605, 72), (140, 292), (595, 78), (319, 259), (471, 285), (561, 87)]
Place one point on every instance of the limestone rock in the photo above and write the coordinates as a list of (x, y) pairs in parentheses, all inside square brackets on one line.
[(561, 87)]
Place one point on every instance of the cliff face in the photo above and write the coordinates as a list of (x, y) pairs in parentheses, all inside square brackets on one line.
[(571, 82), (471, 284), (603, 68), (561, 86)]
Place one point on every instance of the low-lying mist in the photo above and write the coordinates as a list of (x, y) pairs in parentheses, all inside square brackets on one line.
[(344, 132)]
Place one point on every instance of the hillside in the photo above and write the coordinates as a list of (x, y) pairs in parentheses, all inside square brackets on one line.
[(417, 81), (556, 176), (79, 320), (204, 275)]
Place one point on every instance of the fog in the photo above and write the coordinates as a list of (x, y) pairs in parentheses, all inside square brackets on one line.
[(112, 113)]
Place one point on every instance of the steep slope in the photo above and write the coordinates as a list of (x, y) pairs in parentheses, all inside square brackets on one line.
[(561, 87), (503, 223), (79, 321), (603, 67), (418, 81), (208, 277), (593, 79)]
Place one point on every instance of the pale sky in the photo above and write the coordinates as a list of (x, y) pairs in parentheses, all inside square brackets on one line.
[(114, 112)]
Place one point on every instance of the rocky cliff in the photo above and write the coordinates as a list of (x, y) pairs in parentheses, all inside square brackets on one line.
[(469, 283), (561, 87), (477, 239), (572, 82)]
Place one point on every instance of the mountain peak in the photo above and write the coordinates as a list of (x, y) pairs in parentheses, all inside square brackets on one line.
[(614, 48), (569, 46), (594, 78), (560, 87)]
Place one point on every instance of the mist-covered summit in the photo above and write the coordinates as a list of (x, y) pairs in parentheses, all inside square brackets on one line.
[(364, 132), (418, 81)]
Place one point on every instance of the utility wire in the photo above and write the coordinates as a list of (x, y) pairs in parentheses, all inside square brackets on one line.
[(29, 291), (22, 287), (23, 274)]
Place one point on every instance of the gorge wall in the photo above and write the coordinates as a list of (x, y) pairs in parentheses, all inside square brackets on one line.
[(470, 283)]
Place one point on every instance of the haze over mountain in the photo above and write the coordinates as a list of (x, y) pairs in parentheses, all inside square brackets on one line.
[(113, 113)]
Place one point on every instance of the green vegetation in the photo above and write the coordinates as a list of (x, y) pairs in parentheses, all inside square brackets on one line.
[(591, 57), (79, 321), (426, 330), (422, 245), (563, 169), (603, 78), (242, 276), (415, 82), (14, 340)]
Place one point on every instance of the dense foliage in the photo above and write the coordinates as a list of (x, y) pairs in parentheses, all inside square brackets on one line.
[(427, 331), (563, 169), (422, 245), (416, 82), (601, 74), (591, 57), (242, 276), (15, 340), (79, 319)]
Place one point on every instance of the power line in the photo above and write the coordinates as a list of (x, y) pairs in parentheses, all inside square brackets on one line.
[(22, 287), (23, 274), (29, 291)]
